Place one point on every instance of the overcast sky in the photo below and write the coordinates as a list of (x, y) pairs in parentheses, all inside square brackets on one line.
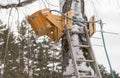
[(109, 12)]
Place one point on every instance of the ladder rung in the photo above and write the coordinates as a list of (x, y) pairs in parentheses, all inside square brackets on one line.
[(81, 76), (76, 32), (78, 60), (85, 46), (87, 77), (68, 75)]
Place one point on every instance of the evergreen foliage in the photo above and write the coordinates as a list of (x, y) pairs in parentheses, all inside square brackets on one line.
[(106, 74), (23, 56)]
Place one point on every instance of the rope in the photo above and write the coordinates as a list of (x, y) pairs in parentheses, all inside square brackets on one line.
[(75, 20), (101, 25)]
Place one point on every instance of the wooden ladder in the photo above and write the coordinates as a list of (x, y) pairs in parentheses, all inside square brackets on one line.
[(91, 60)]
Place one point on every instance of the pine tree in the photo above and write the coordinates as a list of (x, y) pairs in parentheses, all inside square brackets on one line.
[(106, 74), (8, 53)]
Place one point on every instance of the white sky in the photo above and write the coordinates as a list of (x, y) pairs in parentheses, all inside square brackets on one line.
[(108, 11)]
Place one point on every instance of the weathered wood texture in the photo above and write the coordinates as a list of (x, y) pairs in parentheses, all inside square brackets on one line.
[(84, 53), (66, 6)]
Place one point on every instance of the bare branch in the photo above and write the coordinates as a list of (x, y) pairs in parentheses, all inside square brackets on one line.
[(20, 4)]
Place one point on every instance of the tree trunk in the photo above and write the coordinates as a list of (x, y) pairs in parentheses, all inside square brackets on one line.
[(77, 8)]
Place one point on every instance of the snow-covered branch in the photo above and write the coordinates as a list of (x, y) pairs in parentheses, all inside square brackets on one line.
[(20, 4)]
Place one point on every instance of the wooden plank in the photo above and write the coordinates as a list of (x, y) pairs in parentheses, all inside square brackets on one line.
[(96, 68), (79, 60), (71, 50), (83, 46)]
